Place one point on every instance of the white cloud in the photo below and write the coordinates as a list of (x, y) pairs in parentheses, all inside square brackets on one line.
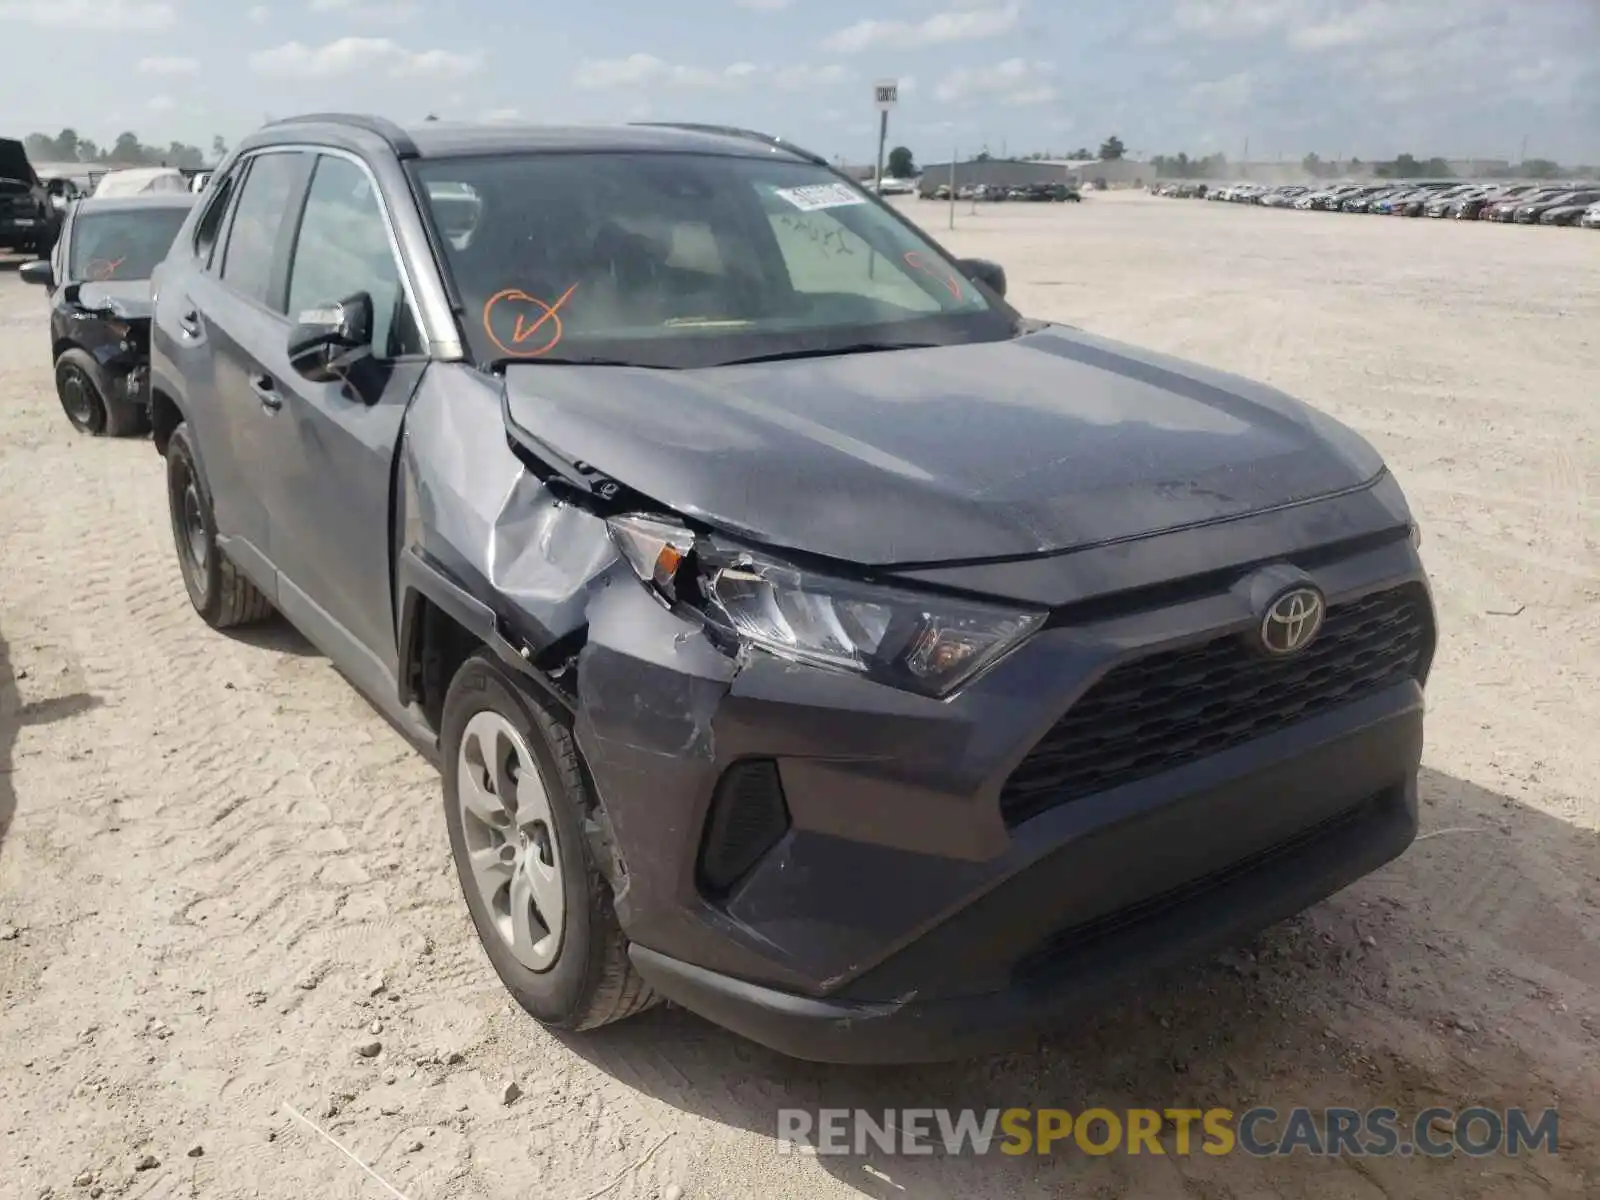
[(167, 66), (1017, 82), (352, 55), (259, 14), (101, 16), (1225, 19), (962, 25), (764, 5), (648, 71), (161, 104), (497, 115)]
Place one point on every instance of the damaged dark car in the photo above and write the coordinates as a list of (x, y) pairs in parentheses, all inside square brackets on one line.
[(29, 222), (99, 280), (803, 635)]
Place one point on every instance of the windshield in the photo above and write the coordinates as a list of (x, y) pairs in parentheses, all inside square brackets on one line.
[(122, 245), (686, 260)]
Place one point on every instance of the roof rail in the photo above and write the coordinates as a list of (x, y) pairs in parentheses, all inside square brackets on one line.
[(399, 140), (735, 131)]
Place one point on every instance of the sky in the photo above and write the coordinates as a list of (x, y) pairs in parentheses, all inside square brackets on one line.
[(1370, 78)]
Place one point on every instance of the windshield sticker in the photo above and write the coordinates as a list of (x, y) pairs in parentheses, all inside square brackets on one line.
[(917, 262), (524, 326), (821, 195)]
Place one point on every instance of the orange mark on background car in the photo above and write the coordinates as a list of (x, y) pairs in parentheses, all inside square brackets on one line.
[(917, 262), (528, 326), (101, 269)]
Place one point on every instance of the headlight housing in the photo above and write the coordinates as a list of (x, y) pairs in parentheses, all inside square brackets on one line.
[(919, 642)]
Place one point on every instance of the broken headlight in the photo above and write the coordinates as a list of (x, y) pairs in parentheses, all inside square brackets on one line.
[(920, 642)]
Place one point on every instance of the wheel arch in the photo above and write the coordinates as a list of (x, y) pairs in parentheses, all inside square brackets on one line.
[(441, 625), (165, 416)]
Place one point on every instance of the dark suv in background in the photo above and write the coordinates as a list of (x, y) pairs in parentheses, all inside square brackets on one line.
[(28, 221), (803, 634)]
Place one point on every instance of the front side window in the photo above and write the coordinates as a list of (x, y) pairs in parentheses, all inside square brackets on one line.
[(343, 248), (125, 244), (686, 260), (257, 220)]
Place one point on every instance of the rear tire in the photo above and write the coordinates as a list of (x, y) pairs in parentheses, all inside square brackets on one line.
[(219, 592), (516, 802)]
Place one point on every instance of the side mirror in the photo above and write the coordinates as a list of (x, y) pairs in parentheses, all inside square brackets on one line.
[(37, 272), (991, 274), (326, 341)]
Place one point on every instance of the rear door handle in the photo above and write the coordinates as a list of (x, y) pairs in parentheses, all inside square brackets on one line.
[(266, 391), (189, 322)]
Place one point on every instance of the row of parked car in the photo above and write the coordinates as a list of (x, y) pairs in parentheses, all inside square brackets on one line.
[(994, 193), (1573, 202)]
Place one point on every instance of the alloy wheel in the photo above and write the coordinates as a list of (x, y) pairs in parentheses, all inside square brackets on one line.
[(510, 835)]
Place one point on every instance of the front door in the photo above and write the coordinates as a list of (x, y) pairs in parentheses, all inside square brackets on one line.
[(332, 445)]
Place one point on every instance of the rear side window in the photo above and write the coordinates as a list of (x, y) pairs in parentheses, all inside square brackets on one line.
[(269, 190), (209, 228)]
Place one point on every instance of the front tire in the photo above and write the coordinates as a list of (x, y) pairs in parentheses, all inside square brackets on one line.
[(90, 409), (219, 592), (515, 804)]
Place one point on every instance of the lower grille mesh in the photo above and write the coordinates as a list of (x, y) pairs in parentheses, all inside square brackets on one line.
[(1171, 708)]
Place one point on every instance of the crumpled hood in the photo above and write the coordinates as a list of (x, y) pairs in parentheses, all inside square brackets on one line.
[(131, 297), (1051, 441), (14, 162)]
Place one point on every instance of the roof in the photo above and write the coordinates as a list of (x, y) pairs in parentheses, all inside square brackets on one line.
[(446, 139), (99, 204), (130, 180)]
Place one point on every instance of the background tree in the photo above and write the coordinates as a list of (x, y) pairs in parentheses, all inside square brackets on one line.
[(1112, 149), (1081, 154), (128, 151), (1313, 166), (219, 148), (901, 164), (1540, 168)]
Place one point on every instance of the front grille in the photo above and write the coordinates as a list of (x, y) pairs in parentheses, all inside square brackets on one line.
[(1156, 713)]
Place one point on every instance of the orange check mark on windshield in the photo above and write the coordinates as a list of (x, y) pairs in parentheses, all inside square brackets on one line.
[(525, 328)]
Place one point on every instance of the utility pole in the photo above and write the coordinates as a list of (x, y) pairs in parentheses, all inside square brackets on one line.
[(955, 152), (1244, 161)]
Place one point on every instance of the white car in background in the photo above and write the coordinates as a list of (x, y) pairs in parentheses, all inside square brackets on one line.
[(141, 181), (1591, 217)]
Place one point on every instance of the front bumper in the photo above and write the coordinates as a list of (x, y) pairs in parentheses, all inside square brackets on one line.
[(899, 910)]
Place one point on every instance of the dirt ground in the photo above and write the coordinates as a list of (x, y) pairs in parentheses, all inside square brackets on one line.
[(222, 873)]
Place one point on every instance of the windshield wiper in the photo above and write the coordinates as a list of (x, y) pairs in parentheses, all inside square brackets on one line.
[(500, 364), (831, 351)]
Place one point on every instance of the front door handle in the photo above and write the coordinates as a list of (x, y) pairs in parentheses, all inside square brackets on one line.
[(189, 322), (266, 391)]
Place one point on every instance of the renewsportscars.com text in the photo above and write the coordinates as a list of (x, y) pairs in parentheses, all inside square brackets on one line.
[(1260, 1132)]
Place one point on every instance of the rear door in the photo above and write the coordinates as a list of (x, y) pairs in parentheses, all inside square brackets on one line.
[(331, 446), (232, 311)]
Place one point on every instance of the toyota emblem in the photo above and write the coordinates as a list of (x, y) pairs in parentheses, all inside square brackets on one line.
[(1292, 621)]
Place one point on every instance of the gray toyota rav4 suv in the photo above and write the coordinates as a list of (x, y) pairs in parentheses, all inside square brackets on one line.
[(804, 636)]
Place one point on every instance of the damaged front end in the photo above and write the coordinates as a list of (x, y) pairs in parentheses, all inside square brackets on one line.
[(112, 322)]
